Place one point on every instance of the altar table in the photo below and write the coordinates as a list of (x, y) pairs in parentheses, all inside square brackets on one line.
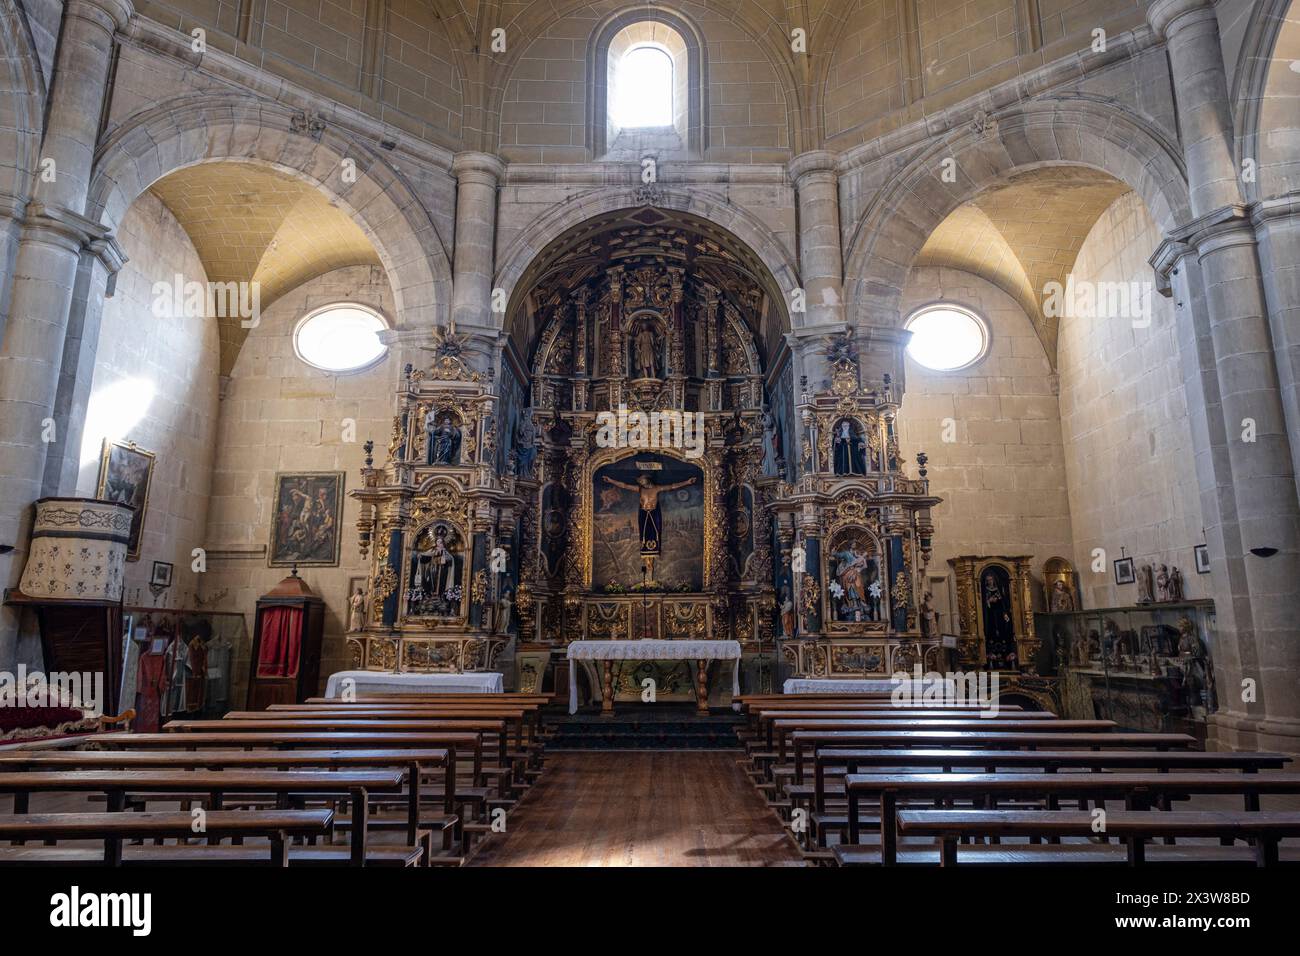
[(653, 650), (804, 685), (406, 682)]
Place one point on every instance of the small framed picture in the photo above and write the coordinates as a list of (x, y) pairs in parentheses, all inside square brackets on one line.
[(162, 575), (1202, 552), (1124, 573)]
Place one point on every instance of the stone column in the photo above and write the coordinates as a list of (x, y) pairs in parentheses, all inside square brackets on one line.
[(477, 176), (1244, 458), (53, 238), (1277, 231), (821, 264)]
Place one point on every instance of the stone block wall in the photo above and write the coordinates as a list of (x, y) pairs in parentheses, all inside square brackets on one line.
[(281, 415), (1003, 479), (155, 383), (1128, 445)]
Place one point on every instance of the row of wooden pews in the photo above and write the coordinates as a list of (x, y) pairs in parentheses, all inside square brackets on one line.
[(860, 782), (380, 781)]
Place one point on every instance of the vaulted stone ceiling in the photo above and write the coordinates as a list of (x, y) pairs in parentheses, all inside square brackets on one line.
[(1024, 234), (252, 224)]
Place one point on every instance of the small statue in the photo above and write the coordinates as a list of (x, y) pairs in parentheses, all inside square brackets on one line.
[(787, 614), (443, 440), (1175, 585), (1162, 584), (929, 618), (505, 605), (1060, 598), (356, 614), (1145, 592)]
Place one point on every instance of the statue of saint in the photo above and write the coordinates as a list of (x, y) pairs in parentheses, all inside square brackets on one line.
[(787, 614), (646, 350), (650, 522), (1146, 587), (770, 453), (929, 618), (1175, 585), (356, 613), (443, 441), (1060, 598), (1162, 583), (505, 604)]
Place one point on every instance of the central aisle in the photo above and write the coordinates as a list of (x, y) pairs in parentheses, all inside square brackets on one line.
[(655, 808)]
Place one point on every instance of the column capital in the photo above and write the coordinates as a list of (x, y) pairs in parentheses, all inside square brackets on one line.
[(471, 166), (112, 15), (1167, 17), (1227, 225), (74, 231), (1275, 208), (819, 163)]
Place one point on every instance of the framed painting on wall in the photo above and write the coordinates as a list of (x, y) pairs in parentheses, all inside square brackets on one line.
[(305, 519), (125, 472), (1124, 572)]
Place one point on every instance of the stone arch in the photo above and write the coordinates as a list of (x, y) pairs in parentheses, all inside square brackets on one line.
[(1051, 132), (193, 130), (741, 224), (1260, 102), (22, 86)]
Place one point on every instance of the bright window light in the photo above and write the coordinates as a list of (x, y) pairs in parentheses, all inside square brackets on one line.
[(946, 338), (112, 412), (645, 88), (340, 338)]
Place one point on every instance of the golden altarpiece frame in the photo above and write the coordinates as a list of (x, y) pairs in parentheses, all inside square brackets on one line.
[(436, 526), (854, 533)]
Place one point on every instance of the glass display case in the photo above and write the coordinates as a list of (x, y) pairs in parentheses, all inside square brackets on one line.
[(1146, 667), (180, 663)]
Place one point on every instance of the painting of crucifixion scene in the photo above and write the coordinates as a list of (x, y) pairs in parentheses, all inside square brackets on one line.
[(648, 524)]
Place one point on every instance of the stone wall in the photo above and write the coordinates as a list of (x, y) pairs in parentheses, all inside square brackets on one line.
[(155, 383), (1128, 446), (281, 415), (1003, 478)]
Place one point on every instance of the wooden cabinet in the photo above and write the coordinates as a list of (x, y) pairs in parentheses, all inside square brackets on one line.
[(285, 665)]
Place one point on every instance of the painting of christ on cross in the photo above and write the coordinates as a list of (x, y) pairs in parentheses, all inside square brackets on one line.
[(648, 506)]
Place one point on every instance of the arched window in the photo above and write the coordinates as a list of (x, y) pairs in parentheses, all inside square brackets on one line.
[(946, 337), (647, 83), (643, 85), (342, 337)]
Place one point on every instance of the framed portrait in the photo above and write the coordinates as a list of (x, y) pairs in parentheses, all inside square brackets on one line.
[(1124, 573), (125, 472), (306, 512), (1202, 552), (161, 576)]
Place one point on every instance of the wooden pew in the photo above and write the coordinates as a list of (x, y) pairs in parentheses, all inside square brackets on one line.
[(988, 739), (782, 729), (352, 785), (1048, 761), (1265, 829), (1130, 787), (777, 722), (277, 825), (414, 761)]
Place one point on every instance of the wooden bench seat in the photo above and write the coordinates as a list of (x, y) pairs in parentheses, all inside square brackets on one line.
[(1069, 854), (1265, 828), (383, 855)]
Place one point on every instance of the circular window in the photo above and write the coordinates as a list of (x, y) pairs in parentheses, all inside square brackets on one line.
[(946, 338), (340, 338)]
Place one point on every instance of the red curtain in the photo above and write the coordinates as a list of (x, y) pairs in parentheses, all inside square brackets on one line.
[(281, 642)]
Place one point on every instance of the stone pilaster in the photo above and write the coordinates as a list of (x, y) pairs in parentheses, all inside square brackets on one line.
[(1245, 465), (477, 176), (1277, 232), (53, 239)]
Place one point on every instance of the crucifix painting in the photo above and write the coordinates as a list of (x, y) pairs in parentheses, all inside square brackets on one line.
[(649, 509)]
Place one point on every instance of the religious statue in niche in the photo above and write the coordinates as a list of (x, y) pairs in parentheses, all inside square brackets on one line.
[(646, 359), (850, 448), (356, 610), (999, 623), (505, 605), (771, 442), (442, 439), (526, 444), (787, 614), (653, 537), (856, 590), (929, 618), (1060, 598), (437, 565)]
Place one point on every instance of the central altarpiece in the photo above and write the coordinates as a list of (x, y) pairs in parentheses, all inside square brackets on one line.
[(643, 467)]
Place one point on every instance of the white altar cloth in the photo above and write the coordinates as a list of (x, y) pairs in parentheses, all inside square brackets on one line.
[(389, 682), (804, 685), (651, 650)]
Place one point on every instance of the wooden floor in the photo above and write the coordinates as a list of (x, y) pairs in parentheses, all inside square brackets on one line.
[(653, 808)]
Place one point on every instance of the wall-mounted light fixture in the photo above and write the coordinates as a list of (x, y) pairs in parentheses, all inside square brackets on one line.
[(1263, 552)]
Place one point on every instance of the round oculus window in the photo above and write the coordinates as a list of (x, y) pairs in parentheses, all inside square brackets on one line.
[(340, 338), (946, 338)]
